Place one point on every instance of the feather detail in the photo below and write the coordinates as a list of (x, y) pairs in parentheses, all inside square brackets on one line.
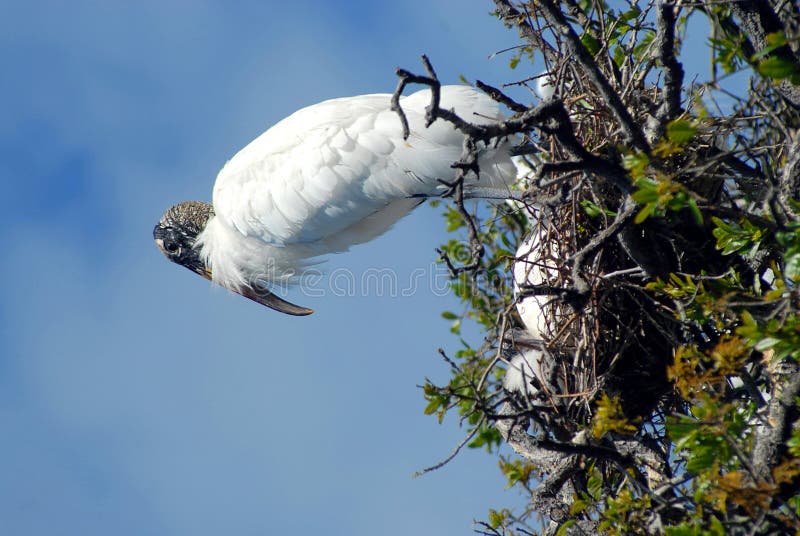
[(336, 174)]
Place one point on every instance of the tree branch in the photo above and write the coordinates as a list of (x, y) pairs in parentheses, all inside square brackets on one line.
[(512, 18), (631, 130), (759, 20), (405, 78), (670, 106), (790, 177), (770, 440)]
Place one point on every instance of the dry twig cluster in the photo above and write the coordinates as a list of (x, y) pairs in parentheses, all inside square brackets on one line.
[(629, 170)]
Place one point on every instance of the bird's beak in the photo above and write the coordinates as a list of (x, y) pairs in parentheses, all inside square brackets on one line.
[(258, 294), (263, 296), (269, 299), (205, 272)]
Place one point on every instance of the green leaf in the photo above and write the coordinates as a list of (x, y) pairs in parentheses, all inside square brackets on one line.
[(454, 223), (635, 163), (777, 68), (449, 315), (680, 131), (717, 527), (792, 265), (456, 327), (682, 431), (703, 454), (696, 214), (487, 436), (645, 213), (591, 43), (618, 55), (591, 209), (647, 192), (682, 530), (563, 530), (432, 406), (630, 14), (775, 40), (495, 518), (766, 343), (734, 237), (646, 195)]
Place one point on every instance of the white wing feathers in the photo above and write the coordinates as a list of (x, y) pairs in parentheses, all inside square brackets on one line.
[(327, 167), (333, 175)]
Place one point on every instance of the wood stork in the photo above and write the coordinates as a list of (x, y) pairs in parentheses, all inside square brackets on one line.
[(537, 264), (545, 85), (524, 370), (329, 176)]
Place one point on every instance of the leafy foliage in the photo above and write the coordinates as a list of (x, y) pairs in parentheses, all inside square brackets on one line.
[(663, 235)]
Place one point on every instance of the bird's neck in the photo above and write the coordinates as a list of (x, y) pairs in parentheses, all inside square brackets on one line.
[(237, 260)]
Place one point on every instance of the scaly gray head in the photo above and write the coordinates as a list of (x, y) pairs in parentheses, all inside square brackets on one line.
[(177, 232), (176, 236)]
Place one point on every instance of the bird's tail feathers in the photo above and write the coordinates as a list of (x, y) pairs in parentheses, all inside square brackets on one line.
[(429, 147)]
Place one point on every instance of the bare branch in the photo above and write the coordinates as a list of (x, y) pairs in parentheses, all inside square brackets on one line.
[(759, 19), (670, 106), (512, 17), (405, 78), (790, 176), (770, 440), (454, 453), (501, 97), (632, 131)]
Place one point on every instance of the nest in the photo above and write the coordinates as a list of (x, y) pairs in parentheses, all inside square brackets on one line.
[(616, 341), (616, 336)]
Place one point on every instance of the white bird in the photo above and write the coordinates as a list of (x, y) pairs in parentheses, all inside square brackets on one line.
[(536, 264), (525, 372), (545, 85), (329, 176)]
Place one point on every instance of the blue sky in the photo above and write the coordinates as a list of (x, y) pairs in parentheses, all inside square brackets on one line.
[(135, 398)]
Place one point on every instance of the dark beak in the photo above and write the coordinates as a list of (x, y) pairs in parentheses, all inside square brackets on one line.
[(267, 298)]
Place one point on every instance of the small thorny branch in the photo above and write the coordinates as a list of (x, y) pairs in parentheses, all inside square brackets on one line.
[(438, 465), (550, 117), (466, 165), (431, 81)]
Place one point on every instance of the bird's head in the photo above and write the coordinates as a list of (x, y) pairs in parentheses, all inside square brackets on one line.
[(176, 236)]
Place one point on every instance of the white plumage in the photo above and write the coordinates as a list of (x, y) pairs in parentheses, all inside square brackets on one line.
[(537, 264), (332, 175), (523, 369), (545, 85)]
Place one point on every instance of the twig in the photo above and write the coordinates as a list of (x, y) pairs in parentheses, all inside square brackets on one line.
[(497, 357), (512, 17), (501, 97), (790, 177), (622, 218), (631, 130), (455, 451), (406, 77), (670, 105)]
